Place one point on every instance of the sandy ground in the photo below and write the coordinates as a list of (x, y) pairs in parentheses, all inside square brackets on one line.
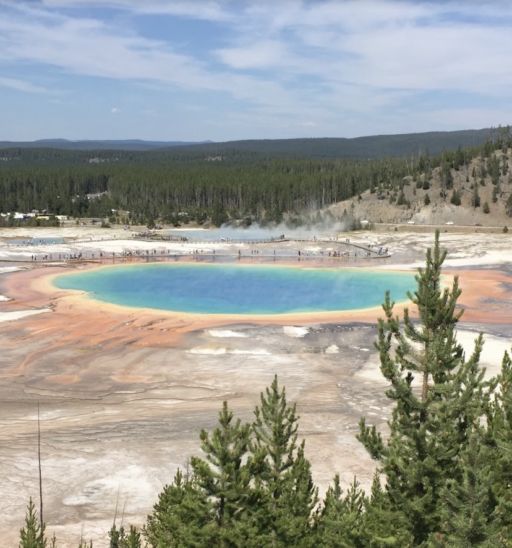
[(124, 393)]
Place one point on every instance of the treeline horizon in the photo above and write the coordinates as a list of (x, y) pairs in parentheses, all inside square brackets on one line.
[(182, 186), (365, 146)]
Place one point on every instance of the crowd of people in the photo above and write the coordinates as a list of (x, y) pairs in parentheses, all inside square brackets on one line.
[(343, 250)]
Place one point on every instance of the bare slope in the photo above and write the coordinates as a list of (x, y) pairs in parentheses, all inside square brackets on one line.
[(483, 186)]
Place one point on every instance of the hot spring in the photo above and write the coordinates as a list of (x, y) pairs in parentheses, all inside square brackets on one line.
[(238, 289)]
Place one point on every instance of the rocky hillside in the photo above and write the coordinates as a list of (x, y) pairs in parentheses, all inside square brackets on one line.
[(478, 192)]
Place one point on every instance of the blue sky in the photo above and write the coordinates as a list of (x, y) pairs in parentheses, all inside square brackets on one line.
[(233, 69)]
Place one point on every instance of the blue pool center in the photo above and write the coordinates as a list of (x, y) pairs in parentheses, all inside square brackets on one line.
[(239, 289)]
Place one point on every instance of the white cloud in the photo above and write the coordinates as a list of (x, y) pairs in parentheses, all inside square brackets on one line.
[(196, 9), (386, 44), (344, 15), (114, 110), (90, 47), (339, 63), (451, 57), (256, 55), (21, 85)]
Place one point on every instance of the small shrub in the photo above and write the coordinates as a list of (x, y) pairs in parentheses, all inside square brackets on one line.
[(455, 198)]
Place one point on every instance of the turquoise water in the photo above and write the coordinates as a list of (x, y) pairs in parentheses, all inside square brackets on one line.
[(232, 289)]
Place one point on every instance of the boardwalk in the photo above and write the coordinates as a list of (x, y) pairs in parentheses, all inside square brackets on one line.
[(126, 249)]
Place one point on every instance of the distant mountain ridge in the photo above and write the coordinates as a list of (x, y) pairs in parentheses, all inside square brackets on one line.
[(125, 144), (374, 146)]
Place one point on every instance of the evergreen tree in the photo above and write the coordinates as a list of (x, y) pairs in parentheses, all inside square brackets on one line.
[(282, 472), (455, 198), (116, 536), (383, 526), (340, 522), (32, 535), (475, 198), (499, 442), (254, 487), (401, 199), (430, 424), (120, 539), (133, 539), (224, 477), (467, 504), (446, 176), (508, 206), (181, 517)]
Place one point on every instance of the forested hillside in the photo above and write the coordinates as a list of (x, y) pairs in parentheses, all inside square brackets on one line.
[(375, 146), (182, 188), (188, 185), (463, 189)]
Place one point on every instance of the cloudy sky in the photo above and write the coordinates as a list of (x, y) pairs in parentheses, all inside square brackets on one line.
[(235, 69)]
